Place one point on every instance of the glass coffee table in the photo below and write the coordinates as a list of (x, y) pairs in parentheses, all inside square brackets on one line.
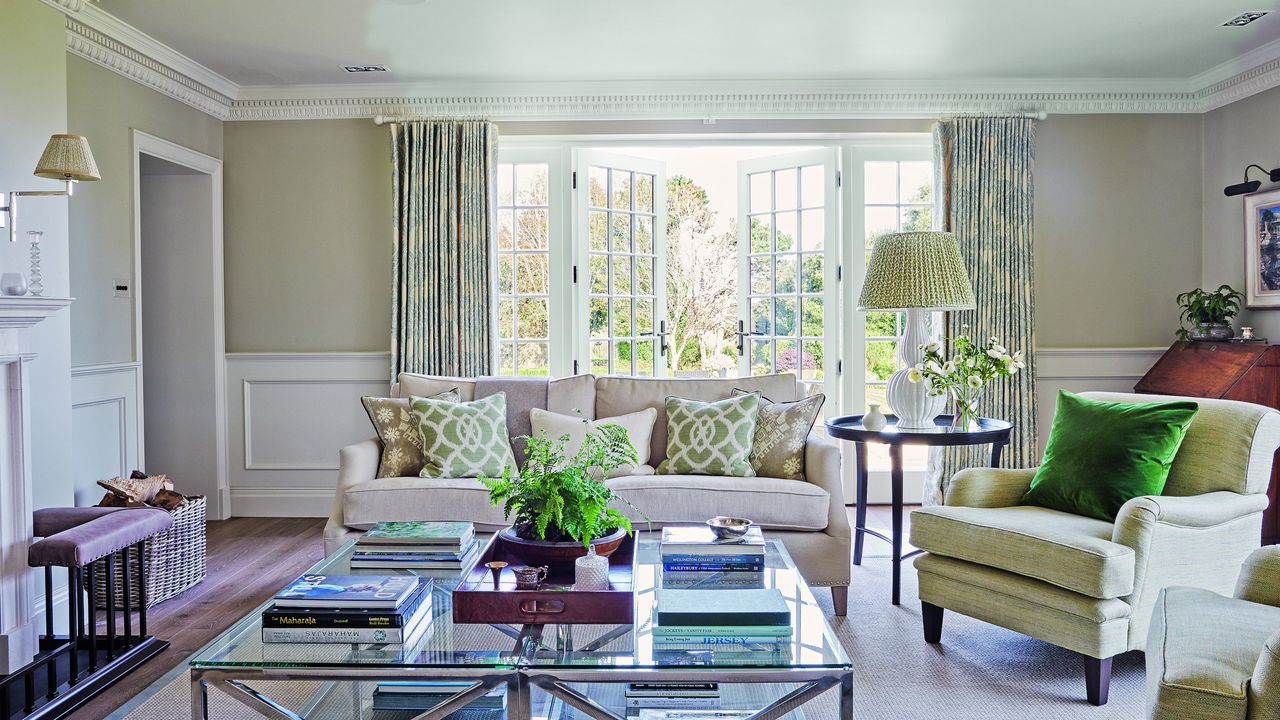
[(556, 672)]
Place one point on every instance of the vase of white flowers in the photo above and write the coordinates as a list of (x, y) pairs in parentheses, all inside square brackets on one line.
[(964, 375)]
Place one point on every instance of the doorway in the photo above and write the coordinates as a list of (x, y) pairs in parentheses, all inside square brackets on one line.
[(178, 315)]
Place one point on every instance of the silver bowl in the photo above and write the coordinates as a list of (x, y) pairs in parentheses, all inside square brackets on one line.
[(728, 528)]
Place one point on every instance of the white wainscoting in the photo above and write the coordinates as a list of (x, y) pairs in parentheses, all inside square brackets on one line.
[(1081, 369), (106, 422), (288, 415)]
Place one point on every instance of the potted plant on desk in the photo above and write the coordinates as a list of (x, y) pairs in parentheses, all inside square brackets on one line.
[(559, 506), (1209, 313)]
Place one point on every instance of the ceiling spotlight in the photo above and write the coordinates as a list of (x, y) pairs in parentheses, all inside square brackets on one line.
[(1250, 186), (1243, 19)]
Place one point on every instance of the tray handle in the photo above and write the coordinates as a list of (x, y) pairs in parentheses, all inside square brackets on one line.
[(541, 607)]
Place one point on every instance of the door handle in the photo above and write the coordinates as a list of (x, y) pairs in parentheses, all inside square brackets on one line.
[(743, 334), (661, 336)]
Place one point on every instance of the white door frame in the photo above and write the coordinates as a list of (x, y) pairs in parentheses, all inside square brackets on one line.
[(142, 143)]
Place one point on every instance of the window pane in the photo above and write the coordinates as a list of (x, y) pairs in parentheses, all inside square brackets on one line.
[(644, 235), (506, 229), (532, 359), (876, 394), (785, 273), (880, 220), (761, 197), (644, 316), (506, 359), (762, 315), (761, 233), (916, 182), (644, 358), (506, 318), (811, 317), (598, 186), (505, 274), (785, 189), (506, 183), (761, 357), (882, 324), (787, 356), (621, 232), (812, 187), (813, 229), (599, 317), (880, 183), (600, 358), (622, 358), (811, 273), (761, 274), (784, 316), (531, 230), (644, 275), (644, 193), (813, 360), (620, 193), (621, 275), (620, 319), (599, 267), (881, 361), (531, 317), (598, 233), (531, 184), (917, 218), (788, 229), (531, 276)]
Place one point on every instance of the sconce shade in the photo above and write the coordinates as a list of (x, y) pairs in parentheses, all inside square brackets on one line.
[(916, 270), (67, 157)]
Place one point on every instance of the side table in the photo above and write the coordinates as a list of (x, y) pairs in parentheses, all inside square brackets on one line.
[(850, 427)]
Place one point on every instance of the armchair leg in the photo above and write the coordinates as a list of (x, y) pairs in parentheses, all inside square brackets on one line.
[(1097, 679), (840, 599), (932, 615)]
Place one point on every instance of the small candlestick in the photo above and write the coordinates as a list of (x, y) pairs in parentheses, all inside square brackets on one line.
[(495, 568), (35, 284), (1246, 332)]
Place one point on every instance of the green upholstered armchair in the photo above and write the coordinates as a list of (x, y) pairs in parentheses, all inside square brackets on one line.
[(1211, 657), (1086, 584)]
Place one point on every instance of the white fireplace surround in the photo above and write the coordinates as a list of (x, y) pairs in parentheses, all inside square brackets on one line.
[(18, 626)]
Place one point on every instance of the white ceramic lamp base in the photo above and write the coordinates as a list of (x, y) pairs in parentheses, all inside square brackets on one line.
[(911, 401)]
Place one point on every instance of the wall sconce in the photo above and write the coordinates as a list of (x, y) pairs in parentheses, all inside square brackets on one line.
[(66, 158), (1250, 186)]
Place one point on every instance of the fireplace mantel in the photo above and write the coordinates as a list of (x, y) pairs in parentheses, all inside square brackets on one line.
[(17, 586)]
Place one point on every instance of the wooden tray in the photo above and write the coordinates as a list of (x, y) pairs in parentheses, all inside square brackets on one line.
[(477, 601)]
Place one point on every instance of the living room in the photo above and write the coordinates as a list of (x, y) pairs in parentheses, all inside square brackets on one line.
[(282, 220)]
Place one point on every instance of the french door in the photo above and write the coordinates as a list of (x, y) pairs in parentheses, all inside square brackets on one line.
[(620, 206), (788, 267)]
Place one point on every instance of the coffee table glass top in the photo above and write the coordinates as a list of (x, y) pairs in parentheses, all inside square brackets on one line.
[(449, 645)]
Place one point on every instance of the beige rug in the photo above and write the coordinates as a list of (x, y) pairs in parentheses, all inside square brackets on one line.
[(979, 672)]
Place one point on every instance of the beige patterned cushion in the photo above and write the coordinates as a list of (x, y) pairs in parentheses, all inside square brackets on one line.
[(401, 443), (710, 438), (465, 439), (781, 430), (639, 427)]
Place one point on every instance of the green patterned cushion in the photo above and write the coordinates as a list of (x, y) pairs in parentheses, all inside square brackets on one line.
[(401, 441), (463, 440), (710, 438), (782, 429)]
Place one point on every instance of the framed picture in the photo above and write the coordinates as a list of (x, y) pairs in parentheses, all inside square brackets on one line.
[(1262, 250)]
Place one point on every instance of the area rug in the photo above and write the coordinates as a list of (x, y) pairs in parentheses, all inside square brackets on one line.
[(979, 672)]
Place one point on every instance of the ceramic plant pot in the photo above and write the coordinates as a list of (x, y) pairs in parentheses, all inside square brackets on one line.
[(559, 557)]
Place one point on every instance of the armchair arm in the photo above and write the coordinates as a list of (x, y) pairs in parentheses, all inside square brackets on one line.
[(1186, 511), (1260, 579), (356, 464), (988, 487), (822, 468), (1264, 686)]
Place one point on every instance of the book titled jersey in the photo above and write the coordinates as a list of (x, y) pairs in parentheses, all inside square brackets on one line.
[(375, 592), (456, 534)]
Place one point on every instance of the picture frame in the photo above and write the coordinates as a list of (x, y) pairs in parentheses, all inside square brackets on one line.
[(1262, 250)]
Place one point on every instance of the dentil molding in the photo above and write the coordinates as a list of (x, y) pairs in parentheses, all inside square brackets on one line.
[(103, 39)]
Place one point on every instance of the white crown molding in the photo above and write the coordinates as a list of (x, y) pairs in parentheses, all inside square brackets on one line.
[(101, 38)]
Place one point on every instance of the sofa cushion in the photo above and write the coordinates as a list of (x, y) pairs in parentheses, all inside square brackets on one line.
[(639, 427), (573, 395), (411, 384), (412, 498), (773, 503), (622, 395), (782, 428), (1071, 551), (398, 433), (1201, 652), (467, 439), (711, 438)]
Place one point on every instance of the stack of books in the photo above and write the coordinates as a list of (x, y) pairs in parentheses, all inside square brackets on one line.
[(350, 609), (706, 627), (412, 698), (672, 695), (418, 545), (694, 557), (666, 714)]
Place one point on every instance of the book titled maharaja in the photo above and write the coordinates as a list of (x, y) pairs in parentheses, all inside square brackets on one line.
[(375, 592)]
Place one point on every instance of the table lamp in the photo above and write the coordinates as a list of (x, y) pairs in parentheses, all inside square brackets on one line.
[(917, 272)]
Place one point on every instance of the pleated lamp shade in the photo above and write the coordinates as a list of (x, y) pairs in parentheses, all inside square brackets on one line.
[(916, 270), (67, 157)]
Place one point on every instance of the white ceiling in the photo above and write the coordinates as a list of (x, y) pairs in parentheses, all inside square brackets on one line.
[(292, 42)]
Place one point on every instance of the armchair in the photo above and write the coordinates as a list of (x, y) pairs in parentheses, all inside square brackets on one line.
[(1089, 585), (1211, 657)]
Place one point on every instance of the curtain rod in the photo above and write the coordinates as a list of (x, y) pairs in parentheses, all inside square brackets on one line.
[(1029, 114), (389, 119)]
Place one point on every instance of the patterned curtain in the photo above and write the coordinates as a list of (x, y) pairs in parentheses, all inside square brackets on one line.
[(444, 189), (984, 167)]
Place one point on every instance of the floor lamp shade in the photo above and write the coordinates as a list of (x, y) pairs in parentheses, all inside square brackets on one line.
[(917, 272)]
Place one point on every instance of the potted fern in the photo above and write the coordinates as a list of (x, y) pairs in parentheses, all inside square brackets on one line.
[(559, 506), (1209, 313)]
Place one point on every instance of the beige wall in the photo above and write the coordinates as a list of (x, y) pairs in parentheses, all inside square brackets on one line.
[(105, 107), (1243, 132), (1117, 227), (308, 236)]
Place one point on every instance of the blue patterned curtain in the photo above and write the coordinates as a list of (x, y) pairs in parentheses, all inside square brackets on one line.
[(984, 167), (443, 190)]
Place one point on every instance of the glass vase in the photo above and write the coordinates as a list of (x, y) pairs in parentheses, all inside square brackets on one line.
[(966, 399)]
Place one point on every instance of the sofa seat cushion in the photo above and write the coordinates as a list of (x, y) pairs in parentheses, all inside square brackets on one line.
[(1201, 652), (773, 503), (413, 498), (1071, 551)]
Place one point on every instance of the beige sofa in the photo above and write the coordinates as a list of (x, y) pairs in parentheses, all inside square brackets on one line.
[(807, 516)]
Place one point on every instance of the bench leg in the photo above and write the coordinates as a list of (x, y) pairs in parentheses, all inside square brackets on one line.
[(1097, 679)]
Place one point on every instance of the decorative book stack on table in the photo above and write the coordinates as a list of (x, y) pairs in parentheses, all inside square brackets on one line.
[(402, 700), (350, 609), (417, 545)]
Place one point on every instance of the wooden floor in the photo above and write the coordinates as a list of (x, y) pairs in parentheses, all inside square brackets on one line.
[(248, 560)]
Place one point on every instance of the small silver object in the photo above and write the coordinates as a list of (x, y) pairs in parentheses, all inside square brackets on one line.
[(728, 528), (530, 578)]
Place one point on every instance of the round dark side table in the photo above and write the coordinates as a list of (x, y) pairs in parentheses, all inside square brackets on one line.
[(990, 432)]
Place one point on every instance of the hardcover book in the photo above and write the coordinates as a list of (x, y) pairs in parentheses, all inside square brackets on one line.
[(288, 617), (722, 607), (673, 689), (418, 625), (419, 533), (656, 714), (699, 539), (374, 592), (421, 561)]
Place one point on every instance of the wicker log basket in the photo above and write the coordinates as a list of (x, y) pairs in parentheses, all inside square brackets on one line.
[(174, 559)]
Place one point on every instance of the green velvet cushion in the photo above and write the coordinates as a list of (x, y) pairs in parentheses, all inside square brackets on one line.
[(1100, 454)]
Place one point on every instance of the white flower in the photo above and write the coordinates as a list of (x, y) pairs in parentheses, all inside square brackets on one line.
[(974, 381), (935, 367), (994, 341), (995, 353), (914, 375), (948, 367), (933, 347), (1010, 365)]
